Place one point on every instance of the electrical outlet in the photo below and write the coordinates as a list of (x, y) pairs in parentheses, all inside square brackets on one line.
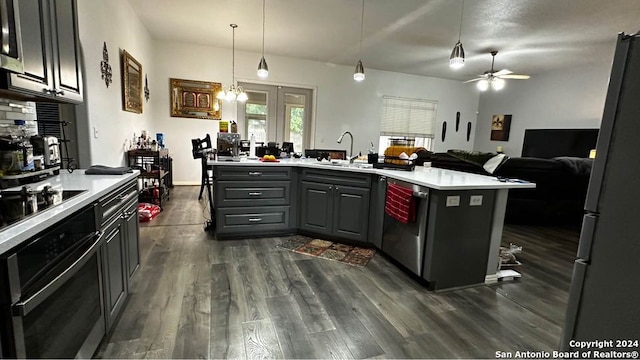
[(475, 200), (95, 132), (453, 201)]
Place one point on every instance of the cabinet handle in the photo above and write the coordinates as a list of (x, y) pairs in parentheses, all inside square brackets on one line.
[(48, 91), (59, 92), (337, 188), (255, 219), (4, 20), (330, 187), (255, 173), (255, 194), (382, 179)]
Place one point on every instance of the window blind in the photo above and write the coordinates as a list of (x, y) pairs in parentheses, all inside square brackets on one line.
[(408, 117)]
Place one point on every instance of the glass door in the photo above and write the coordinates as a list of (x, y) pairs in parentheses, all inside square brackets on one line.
[(277, 114)]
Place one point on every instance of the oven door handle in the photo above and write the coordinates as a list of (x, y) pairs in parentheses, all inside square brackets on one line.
[(23, 308)]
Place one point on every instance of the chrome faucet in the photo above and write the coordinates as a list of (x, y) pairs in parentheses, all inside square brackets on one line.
[(351, 157)]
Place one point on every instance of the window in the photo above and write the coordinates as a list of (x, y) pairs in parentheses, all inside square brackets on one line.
[(256, 115), (411, 119)]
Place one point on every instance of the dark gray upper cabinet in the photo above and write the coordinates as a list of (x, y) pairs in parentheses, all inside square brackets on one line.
[(51, 52)]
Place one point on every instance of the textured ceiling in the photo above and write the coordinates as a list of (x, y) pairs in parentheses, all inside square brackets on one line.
[(408, 36)]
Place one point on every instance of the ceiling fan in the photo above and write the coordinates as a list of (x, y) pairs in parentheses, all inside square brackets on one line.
[(495, 79)]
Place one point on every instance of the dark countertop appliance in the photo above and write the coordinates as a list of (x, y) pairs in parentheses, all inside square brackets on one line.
[(228, 145)]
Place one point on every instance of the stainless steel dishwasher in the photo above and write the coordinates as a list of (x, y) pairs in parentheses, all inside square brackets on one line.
[(405, 242)]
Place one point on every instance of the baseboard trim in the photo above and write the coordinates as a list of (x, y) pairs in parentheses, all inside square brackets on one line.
[(183, 183)]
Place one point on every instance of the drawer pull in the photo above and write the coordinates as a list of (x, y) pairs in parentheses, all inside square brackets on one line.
[(255, 194), (255, 219), (255, 173)]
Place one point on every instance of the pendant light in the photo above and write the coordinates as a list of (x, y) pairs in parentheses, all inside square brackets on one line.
[(456, 60), (233, 92), (263, 69), (358, 75)]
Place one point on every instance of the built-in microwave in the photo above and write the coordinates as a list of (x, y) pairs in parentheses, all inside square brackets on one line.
[(10, 39)]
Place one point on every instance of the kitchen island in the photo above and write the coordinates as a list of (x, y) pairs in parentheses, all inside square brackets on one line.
[(346, 201)]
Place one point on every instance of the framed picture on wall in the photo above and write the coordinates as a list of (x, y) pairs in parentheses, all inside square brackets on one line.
[(131, 83), (500, 126), (195, 99)]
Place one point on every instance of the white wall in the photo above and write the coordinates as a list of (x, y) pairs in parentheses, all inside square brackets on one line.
[(568, 99), (115, 22), (340, 104)]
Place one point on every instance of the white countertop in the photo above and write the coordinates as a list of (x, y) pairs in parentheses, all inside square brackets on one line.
[(431, 177), (96, 185)]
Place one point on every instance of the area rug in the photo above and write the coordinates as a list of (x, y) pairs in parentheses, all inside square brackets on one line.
[(348, 254)]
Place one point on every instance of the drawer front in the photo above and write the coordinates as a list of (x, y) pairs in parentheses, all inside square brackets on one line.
[(252, 193), (337, 177), (114, 201), (252, 219), (253, 173)]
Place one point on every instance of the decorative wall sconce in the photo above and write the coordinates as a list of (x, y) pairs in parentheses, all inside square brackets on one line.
[(105, 68), (146, 88)]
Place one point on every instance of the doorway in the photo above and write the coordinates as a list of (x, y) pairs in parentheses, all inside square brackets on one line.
[(277, 114)]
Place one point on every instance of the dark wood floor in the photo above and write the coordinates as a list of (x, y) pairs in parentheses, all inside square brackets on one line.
[(196, 297)]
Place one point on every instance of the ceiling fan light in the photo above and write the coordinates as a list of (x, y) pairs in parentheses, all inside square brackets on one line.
[(359, 73), (263, 69), (456, 60), (483, 85), (498, 84)]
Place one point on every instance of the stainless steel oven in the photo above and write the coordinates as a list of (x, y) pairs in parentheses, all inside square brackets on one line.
[(54, 303), (11, 39)]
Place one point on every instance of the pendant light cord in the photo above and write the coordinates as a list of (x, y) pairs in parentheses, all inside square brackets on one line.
[(263, 16), (461, 14), (233, 55), (361, 26)]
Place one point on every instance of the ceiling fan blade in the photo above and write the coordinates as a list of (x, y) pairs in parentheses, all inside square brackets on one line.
[(515, 76), (503, 72), (472, 80)]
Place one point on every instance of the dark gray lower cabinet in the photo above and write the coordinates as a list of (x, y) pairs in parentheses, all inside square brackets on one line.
[(131, 230), (316, 206), (255, 201), (121, 252), (335, 210), (114, 274)]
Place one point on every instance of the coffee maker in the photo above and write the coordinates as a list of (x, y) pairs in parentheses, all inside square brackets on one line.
[(227, 147), (48, 147)]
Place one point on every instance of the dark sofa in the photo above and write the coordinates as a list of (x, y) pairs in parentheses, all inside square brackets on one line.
[(561, 187)]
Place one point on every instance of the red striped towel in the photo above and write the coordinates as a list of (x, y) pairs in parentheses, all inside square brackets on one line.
[(400, 203)]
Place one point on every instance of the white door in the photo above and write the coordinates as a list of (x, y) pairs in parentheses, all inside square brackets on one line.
[(276, 114)]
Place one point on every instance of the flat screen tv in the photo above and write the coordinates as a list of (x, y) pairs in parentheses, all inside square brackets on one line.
[(550, 143)]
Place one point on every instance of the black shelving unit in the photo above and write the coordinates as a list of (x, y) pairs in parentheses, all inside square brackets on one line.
[(154, 166)]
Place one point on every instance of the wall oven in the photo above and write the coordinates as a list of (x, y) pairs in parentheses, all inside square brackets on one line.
[(10, 39), (53, 305)]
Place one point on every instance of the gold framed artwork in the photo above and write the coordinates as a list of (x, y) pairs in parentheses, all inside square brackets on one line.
[(195, 99), (131, 83), (500, 127)]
